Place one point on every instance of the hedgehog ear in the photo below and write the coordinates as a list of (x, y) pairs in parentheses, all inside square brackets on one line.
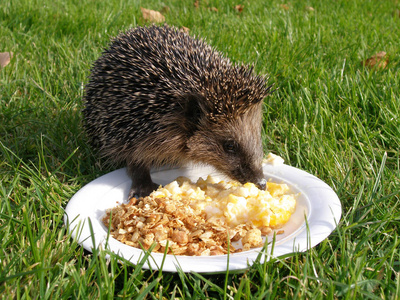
[(194, 109)]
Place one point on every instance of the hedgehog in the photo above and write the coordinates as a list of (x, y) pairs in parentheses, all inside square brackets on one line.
[(157, 96)]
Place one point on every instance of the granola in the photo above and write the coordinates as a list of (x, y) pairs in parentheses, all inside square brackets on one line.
[(203, 218)]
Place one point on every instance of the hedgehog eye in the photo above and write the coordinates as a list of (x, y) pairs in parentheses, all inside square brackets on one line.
[(230, 146)]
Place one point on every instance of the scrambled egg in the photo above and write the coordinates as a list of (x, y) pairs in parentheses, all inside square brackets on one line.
[(186, 218), (234, 202)]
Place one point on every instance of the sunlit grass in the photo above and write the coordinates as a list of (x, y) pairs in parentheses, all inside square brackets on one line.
[(329, 116)]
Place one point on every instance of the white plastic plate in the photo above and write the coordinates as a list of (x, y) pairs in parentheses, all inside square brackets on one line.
[(317, 213)]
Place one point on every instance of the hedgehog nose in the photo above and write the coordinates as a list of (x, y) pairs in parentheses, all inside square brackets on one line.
[(261, 184)]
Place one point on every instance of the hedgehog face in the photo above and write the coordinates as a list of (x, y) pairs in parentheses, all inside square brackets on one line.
[(233, 146)]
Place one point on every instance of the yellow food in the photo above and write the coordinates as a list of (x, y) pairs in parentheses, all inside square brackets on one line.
[(186, 218), (233, 202)]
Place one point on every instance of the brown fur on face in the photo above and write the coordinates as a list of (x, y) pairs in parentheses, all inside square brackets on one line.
[(204, 142), (235, 145)]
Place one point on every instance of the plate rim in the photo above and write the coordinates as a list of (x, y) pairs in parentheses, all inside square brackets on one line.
[(307, 237)]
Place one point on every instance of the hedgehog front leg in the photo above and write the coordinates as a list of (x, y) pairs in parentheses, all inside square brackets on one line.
[(142, 185)]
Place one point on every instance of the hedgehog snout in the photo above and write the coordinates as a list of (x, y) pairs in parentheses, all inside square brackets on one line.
[(262, 184), (257, 177), (246, 174)]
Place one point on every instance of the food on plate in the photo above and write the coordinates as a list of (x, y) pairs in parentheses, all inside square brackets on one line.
[(202, 218)]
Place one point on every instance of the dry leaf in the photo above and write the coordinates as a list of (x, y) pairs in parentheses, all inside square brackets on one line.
[(239, 8), (379, 61), (309, 8), (5, 58), (152, 15), (196, 3), (285, 6), (214, 9)]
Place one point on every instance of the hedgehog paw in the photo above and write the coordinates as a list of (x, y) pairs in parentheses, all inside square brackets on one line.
[(142, 191)]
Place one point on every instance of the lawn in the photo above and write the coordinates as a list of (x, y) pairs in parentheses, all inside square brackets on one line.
[(331, 115)]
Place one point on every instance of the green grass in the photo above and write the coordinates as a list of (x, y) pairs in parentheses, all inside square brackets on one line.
[(330, 116)]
